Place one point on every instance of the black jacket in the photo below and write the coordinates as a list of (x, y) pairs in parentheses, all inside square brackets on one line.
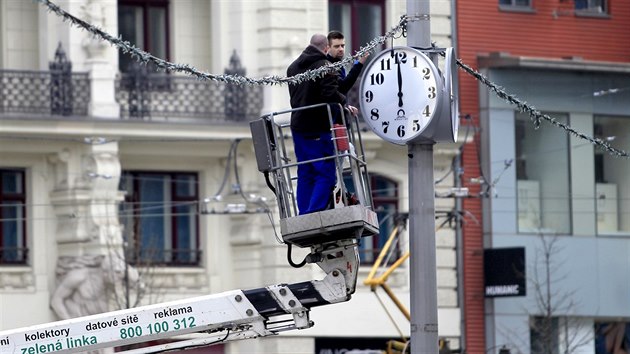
[(347, 81), (309, 92)]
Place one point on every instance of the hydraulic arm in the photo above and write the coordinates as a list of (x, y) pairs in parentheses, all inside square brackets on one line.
[(232, 315)]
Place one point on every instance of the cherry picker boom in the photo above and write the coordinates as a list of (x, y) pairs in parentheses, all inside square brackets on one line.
[(331, 235), (232, 315)]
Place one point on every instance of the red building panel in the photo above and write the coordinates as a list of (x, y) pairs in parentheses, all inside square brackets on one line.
[(552, 29)]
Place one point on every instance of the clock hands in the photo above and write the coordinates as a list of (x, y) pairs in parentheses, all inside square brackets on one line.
[(395, 115), (400, 93)]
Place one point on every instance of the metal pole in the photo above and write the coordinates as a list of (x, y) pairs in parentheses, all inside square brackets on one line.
[(424, 324)]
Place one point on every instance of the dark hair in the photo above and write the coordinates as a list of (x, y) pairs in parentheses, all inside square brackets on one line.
[(334, 35)]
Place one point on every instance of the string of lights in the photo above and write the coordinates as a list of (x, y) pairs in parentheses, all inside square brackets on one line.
[(145, 58), (537, 116), (161, 64)]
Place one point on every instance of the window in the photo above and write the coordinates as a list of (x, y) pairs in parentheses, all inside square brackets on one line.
[(12, 217), (360, 21), (612, 337), (385, 199), (543, 335), (542, 172), (611, 178), (144, 23), (591, 6), (524, 3), (161, 218), (515, 3)]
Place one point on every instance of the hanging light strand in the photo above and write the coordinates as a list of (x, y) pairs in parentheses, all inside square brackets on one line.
[(536, 116), (145, 57)]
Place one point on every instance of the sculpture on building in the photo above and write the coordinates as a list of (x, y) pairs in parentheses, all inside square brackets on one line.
[(86, 283), (94, 14)]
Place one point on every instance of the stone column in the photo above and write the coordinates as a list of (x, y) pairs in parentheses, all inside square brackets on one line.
[(85, 199), (101, 59)]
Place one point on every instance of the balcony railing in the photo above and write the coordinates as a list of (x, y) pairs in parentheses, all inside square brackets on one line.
[(150, 95), (58, 91), (13, 255), (160, 96), (141, 94), (164, 257), (44, 92)]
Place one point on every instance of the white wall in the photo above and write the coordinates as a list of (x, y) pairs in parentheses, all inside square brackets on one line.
[(591, 269), (3, 33), (19, 44), (191, 33)]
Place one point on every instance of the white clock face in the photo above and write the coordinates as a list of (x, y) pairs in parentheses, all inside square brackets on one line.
[(400, 93), (452, 89)]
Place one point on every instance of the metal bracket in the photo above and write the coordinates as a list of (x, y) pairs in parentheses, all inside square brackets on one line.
[(291, 304), (432, 50), (418, 17), (340, 258)]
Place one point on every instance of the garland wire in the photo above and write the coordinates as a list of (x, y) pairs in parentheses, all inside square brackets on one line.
[(144, 57)]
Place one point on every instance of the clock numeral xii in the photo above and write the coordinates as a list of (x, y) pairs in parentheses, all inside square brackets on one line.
[(386, 63)]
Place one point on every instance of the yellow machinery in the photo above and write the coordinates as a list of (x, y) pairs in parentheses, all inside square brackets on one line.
[(373, 281)]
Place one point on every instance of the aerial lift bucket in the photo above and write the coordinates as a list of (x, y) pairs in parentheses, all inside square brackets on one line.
[(275, 158)]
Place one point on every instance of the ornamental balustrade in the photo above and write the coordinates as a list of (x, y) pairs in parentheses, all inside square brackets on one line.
[(142, 94), (57, 92), (146, 94)]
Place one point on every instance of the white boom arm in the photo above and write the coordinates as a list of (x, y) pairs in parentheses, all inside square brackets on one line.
[(233, 315)]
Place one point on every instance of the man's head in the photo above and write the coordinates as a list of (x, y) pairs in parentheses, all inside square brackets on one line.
[(320, 42), (337, 44)]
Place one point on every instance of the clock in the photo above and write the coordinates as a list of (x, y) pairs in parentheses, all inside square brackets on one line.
[(444, 128), (452, 89), (401, 93)]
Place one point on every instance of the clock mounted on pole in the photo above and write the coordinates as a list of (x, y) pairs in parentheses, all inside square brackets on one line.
[(406, 100)]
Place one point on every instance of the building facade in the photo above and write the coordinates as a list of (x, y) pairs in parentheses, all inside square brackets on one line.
[(101, 157), (552, 193)]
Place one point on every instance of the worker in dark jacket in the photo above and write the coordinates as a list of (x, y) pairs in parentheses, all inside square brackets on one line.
[(337, 51), (311, 127)]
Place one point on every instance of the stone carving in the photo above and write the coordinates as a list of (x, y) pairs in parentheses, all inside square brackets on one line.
[(94, 13), (86, 283)]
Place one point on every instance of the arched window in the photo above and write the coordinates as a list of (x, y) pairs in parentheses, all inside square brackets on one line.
[(161, 217), (12, 217), (360, 21), (144, 23), (385, 198)]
